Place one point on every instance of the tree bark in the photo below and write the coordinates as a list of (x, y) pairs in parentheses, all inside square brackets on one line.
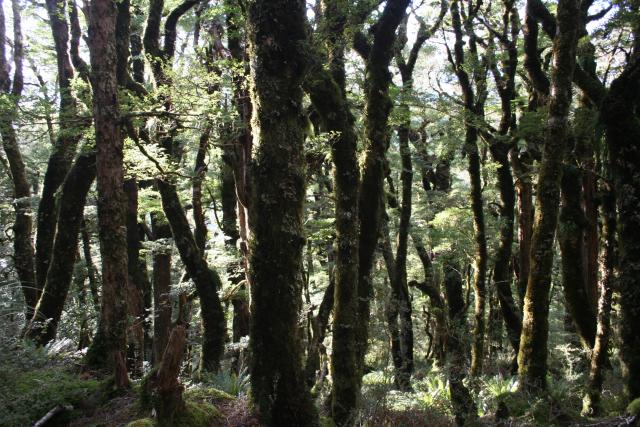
[(472, 107), (43, 326), (572, 224), (206, 280), (161, 286), (277, 32), (618, 113), (23, 252), (69, 134), (592, 405), (110, 180), (463, 405), (378, 106), (532, 357)]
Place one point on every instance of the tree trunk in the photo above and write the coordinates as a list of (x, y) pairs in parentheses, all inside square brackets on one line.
[(592, 402), (463, 405), (23, 252), (572, 224), (44, 324), (138, 283), (206, 280), (472, 107), (110, 180), (69, 133), (161, 286), (618, 113), (376, 115), (532, 357), (277, 31), (319, 326)]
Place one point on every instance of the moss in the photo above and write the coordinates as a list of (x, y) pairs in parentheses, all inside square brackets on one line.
[(144, 422), (634, 407), (29, 395), (146, 399), (326, 422), (196, 415), (516, 403), (206, 394)]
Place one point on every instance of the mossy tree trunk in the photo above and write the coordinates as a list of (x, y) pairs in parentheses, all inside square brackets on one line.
[(473, 106), (592, 405), (277, 36), (110, 180), (464, 407), (327, 89), (532, 357), (571, 234), (138, 282), (43, 326), (206, 279), (23, 252), (161, 277), (502, 147), (378, 106), (69, 134), (622, 126)]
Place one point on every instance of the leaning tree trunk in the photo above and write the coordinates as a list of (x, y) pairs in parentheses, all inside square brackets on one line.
[(532, 357), (277, 32), (23, 254), (69, 134), (206, 279), (43, 326), (376, 116), (110, 180)]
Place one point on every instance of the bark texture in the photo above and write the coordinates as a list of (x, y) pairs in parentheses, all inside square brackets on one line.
[(277, 36), (23, 251), (619, 114), (43, 326), (110, 180), (532, 356)]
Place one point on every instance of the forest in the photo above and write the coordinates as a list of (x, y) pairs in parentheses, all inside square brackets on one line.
[(299, 213)]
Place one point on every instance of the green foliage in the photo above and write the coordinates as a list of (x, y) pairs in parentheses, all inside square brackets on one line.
[(634, 407), (31, 384), (194, 415), (144, 422), (228, 382)]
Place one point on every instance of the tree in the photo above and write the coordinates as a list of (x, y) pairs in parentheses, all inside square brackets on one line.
[(110, 181), (277, 36), (532, 357)]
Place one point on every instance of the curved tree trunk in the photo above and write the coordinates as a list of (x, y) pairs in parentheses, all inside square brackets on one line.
[(23, 252), (206, 280), (377, 109), (69, 134), (532, 357), (44, 324)]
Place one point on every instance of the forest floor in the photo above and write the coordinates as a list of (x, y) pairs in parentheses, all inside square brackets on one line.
[(32, 383)]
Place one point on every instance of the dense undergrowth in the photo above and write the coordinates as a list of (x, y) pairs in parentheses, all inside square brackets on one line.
[(34, 381)]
